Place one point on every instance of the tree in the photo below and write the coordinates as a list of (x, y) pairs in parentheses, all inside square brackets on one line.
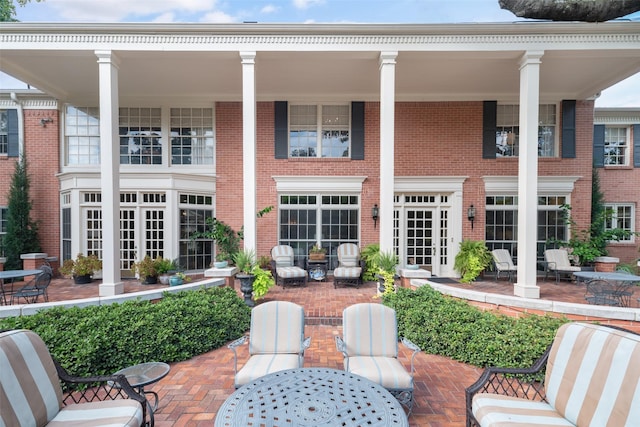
[(22, 232), (8, 9), (571, 10)]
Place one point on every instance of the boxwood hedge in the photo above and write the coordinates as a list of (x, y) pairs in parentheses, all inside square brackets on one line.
[(99, 340), (450, 327)]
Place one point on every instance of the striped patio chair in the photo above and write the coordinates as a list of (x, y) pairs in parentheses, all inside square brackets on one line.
[(350, 266), (276, 341), (31, 392), (286, 272), (370, 349)]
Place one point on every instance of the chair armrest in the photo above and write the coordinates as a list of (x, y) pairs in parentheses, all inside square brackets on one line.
[(306, 343), (342, 348), (517, 382), (232, 346), (411, 346), (100, 387)]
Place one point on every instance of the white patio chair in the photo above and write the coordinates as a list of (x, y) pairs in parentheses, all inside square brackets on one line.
[(557, 262), (276, 341), (350, 266), (370, 349), (503, 263), (286, 272)]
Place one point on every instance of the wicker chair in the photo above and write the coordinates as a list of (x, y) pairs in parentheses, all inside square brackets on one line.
[(39, 392), (276, 341), (370, 349), (284, 268), (350, 266)]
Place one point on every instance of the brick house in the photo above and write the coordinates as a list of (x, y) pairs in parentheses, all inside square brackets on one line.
[(142, 131)]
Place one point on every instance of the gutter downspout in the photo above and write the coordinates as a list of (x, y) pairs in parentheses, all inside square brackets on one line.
[(19, 104)]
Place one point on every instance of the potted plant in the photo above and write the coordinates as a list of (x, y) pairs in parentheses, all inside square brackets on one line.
[(178, 279), (245, 261), (387, 262), (163, 267), (146, 270), (262, 282), (81, 268), (317, 253), (222, 260), (472, 259)]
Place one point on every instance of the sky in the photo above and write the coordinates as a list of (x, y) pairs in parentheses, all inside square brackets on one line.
[(623, 94)]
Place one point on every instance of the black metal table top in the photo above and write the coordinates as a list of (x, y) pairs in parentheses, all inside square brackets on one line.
[(311, 397)]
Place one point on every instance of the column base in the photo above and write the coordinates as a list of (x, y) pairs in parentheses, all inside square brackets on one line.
[(526, 291), (111, 289)]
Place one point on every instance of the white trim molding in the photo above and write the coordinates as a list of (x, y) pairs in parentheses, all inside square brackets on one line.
[(323, 184), (548, 185), (429, 184)]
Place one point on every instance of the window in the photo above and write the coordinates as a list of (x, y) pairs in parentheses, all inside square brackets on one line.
[(615, 146), (319, 131), (192, 136), (82, 135), (4, 212), (140, 136), (621, 217), (501, 228), (326, 220), (508, 131), (4, 132), (195, 254)]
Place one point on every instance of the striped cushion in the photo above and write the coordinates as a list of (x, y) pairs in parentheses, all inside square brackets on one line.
[(290, 272), (506, 411), (263, 364), (30, 393), (593, 375), (348, 255), (386, 371), (282, 255), (348, 272), (370, 330), (276, 327)]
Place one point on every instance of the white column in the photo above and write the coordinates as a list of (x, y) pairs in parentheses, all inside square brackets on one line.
[(525, 285), (249, 148), (387, 130), (109, 173)]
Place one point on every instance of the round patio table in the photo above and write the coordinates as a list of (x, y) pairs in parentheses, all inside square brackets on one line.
[(144, 374), (311, 397)]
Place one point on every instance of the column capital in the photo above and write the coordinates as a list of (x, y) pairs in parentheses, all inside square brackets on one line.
[(107, 57), (531, 57), (248, 57), (388, 57)]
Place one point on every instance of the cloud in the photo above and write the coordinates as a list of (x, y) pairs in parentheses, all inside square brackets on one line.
[(269, 9), (218, 18), (305, 4)]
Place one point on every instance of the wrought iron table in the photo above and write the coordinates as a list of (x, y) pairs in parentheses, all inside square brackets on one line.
[(144, 374), (625, 284), (13, 274), (311, 397)]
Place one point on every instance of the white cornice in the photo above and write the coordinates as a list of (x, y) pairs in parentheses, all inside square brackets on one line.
[(309, 184), (428, 184), (616, 116), (548, 185)]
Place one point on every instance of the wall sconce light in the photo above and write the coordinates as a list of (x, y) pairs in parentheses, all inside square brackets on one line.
[(471, 215), (374, 214), (43, 122)]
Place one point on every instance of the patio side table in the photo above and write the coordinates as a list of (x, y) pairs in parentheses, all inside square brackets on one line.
[(144, 374), (311, 397)]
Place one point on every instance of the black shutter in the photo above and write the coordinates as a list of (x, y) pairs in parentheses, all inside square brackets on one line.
[(357, 130), (568, 129), (13, 133), (598, 146), (489, 128), (636, 146), (281, 130)]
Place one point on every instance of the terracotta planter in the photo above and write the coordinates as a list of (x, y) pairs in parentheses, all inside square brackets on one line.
[(317, 257)]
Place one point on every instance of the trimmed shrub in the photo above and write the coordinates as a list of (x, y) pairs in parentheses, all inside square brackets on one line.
[(450, 327), (100, 340)]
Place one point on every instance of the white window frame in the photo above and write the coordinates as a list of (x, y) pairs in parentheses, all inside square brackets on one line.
[(319, 127), (4, 132), (608, 139), (508, 129), (613, 222), (81, 135)]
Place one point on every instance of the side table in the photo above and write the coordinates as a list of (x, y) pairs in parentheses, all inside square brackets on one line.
[(144, 374), (317, 269)]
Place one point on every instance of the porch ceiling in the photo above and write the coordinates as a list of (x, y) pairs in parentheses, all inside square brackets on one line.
[(335, 72)]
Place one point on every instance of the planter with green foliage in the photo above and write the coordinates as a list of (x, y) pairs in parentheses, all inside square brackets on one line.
[(82, 268), (387, 262), (473, 258), (262, 282), (146, 270)]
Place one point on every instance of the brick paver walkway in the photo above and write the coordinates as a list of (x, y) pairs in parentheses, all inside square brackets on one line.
[(192, 392)]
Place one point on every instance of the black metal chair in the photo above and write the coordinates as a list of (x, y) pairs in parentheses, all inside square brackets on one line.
[(35, 287), (602, 292)]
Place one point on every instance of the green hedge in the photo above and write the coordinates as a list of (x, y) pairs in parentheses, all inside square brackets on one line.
[(99, 340), (450, 327)]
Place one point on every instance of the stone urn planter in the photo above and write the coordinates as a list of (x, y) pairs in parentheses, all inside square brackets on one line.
[(246, 287)]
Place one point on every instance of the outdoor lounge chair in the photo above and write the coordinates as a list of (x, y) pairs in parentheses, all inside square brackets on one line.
[(276, 341), (370, 349), (557, 262), (503, 263), (285, 270), (32, 384), (350, 266)]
